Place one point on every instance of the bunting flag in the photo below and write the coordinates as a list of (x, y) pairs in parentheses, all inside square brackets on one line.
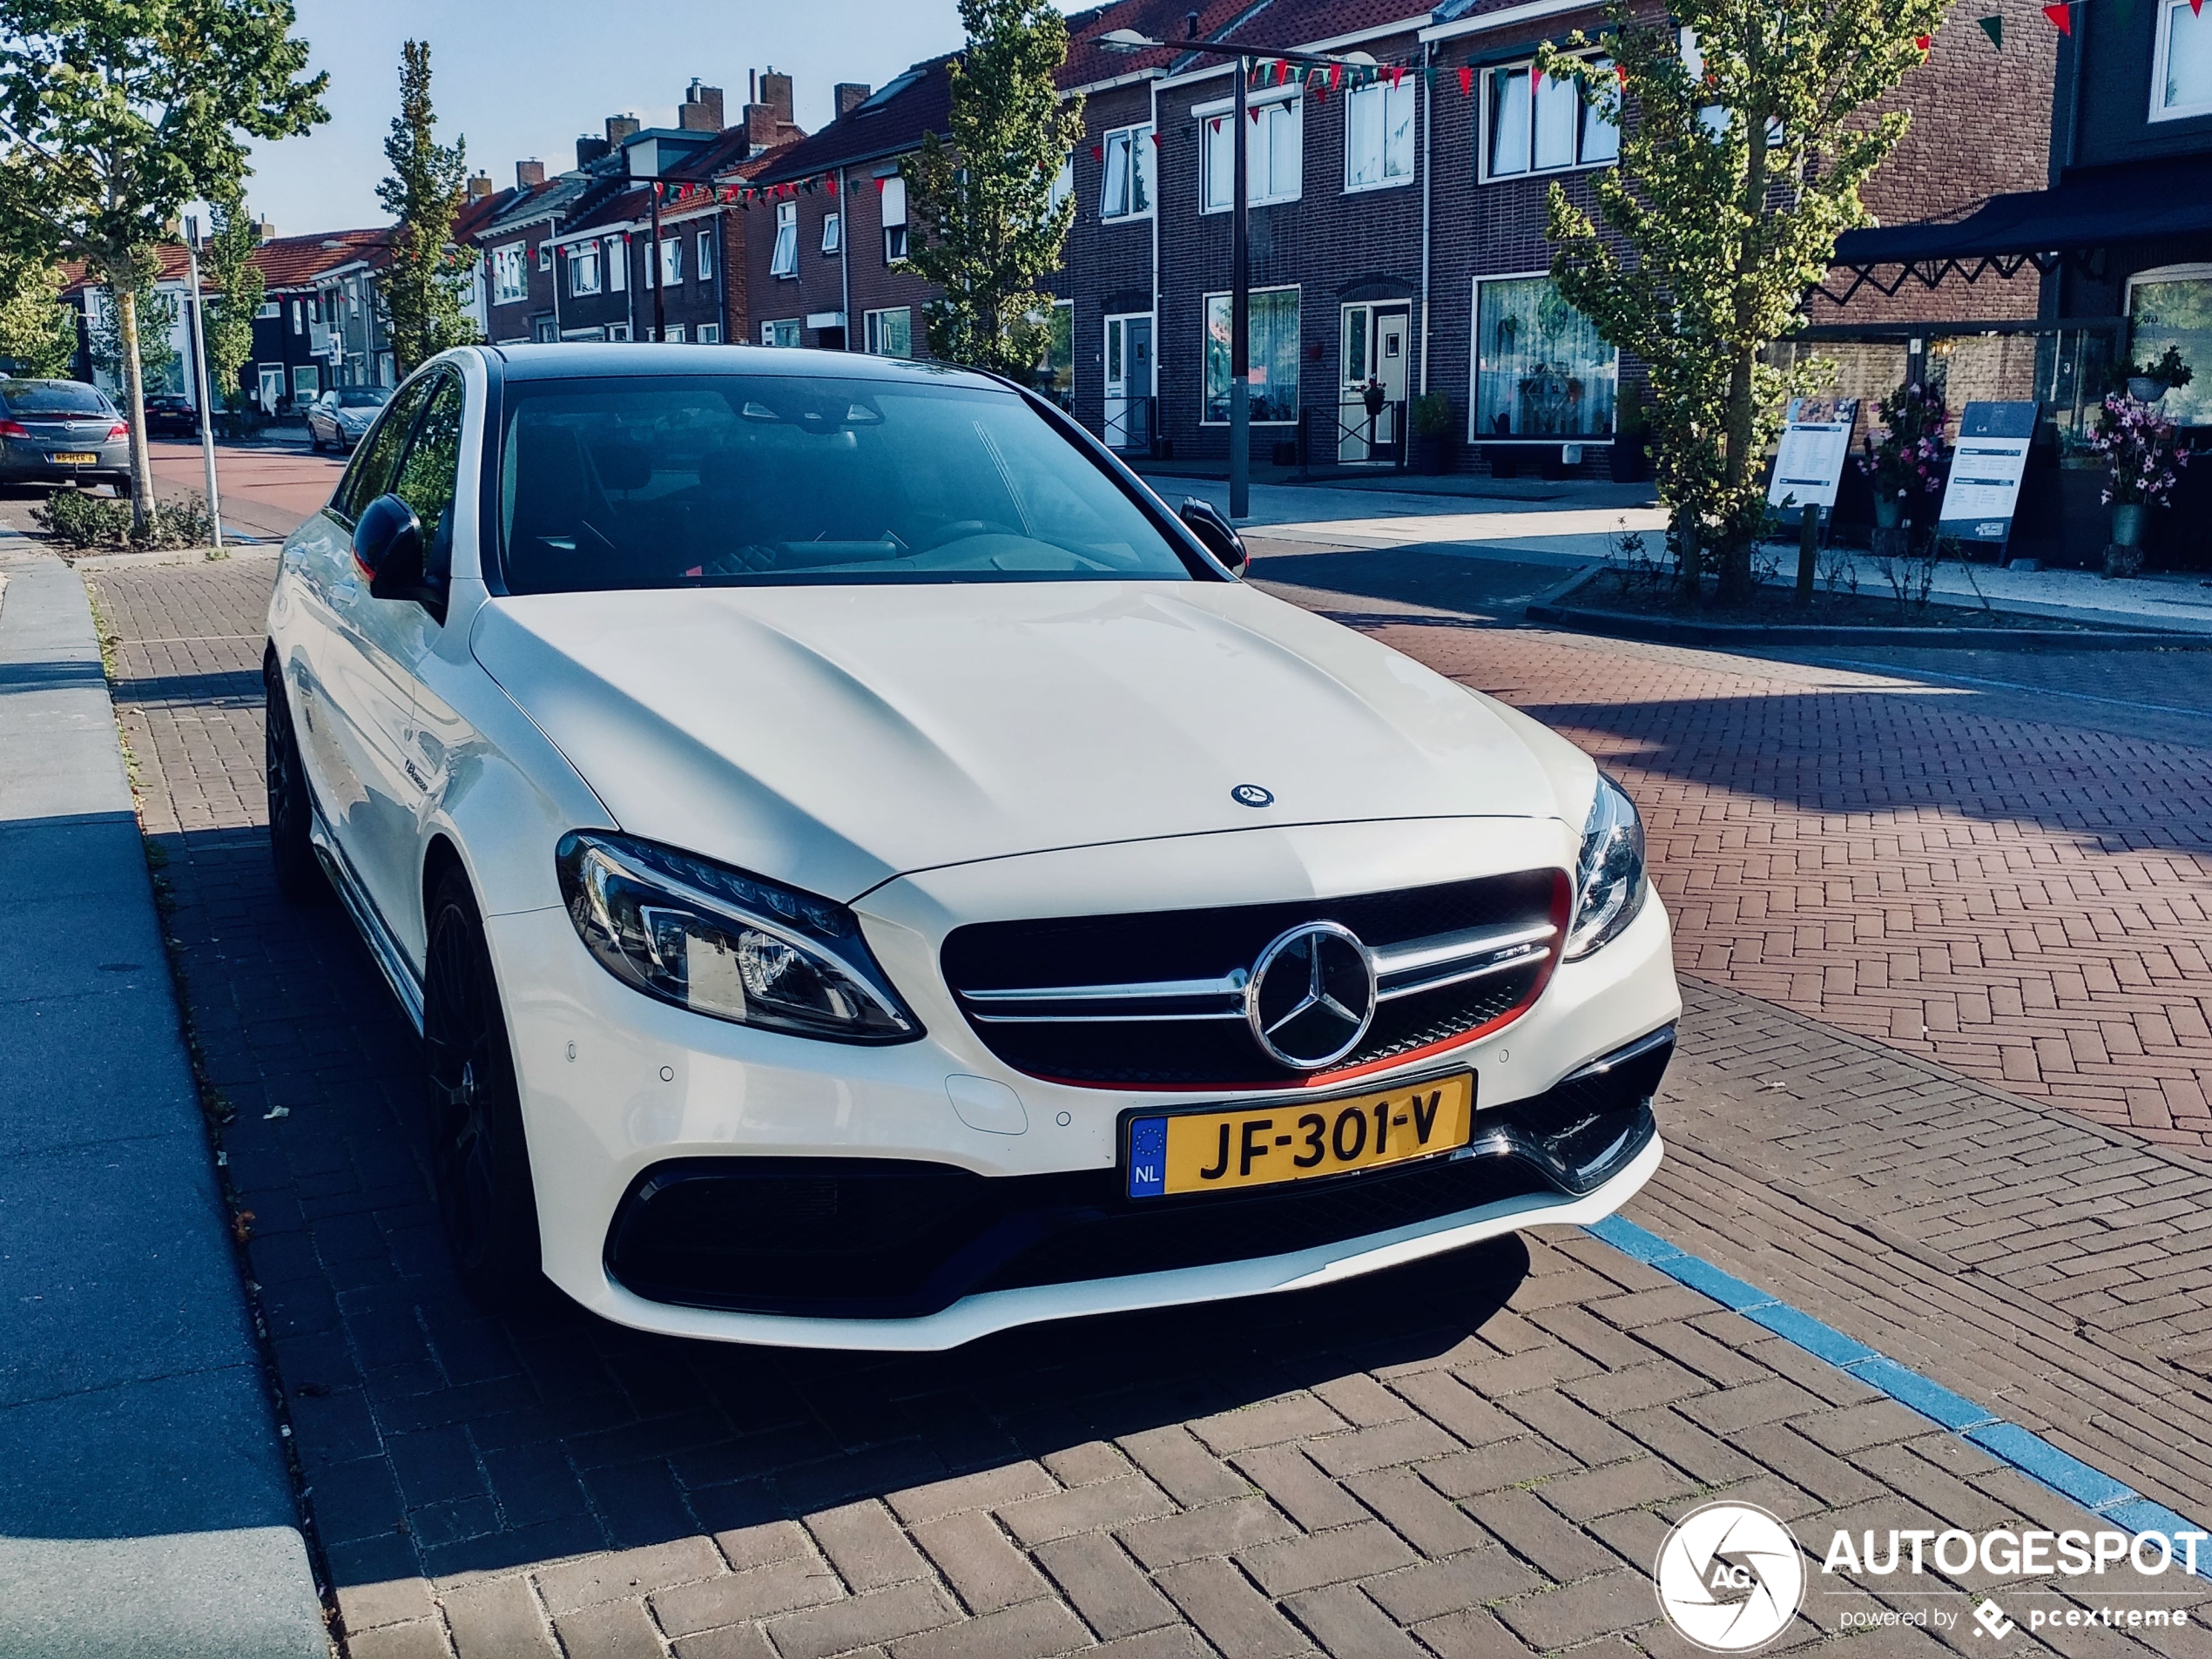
[(1622, 69), (832, 182), (1467, 80), (1923, 42), (1097, 153), (1397, 74), (1995, 28), (2062, 17)]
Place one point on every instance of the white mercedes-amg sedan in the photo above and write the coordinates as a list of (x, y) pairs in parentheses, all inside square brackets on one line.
[(868, 873)]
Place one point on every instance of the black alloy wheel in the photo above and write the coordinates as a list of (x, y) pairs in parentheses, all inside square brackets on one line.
[(479, 1160), (299, 873)]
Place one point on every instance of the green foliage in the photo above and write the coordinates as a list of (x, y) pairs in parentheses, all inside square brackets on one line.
[(36, 328), (1630, 418), (983, 203), (90, 523), (231, 289), (1432, 414), (160, 368), (116, 114), (1736, 174), (428, 281), (2169, 371)]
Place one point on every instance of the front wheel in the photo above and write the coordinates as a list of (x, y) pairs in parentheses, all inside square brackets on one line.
[(299, 876), (480, 1161)]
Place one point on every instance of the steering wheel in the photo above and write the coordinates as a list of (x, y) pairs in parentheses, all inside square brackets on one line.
[(960, 528)]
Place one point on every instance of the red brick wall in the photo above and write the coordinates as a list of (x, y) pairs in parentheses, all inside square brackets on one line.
[(1108, 265)]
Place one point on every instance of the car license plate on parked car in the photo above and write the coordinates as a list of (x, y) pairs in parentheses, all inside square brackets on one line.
[(1296, 1140), (73, 458)]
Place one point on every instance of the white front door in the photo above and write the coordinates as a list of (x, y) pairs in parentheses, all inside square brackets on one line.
[(1376, 354), (1129, 381)]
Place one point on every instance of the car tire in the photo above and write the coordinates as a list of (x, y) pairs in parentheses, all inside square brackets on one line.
[(314, 443), (479, 1158), (298, 873)]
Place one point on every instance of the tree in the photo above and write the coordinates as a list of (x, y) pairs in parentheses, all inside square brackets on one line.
[(991, 230), (232, 288), (118, 113), (36, 329), (156, 361), (428, 281), (1741, 161)]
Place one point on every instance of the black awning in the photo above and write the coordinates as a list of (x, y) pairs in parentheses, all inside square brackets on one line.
[(2090, 210)]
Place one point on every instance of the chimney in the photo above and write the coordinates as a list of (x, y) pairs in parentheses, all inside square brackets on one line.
[(589, 147), (1190, 25), (701, 111), (775, 92), (850, 96), (264, 231), (529, 174), (479, 186), (759, 124), (618, 128)]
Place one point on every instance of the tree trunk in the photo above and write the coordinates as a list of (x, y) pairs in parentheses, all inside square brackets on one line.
[(1686, 529), (1736, 528), (134, 395)]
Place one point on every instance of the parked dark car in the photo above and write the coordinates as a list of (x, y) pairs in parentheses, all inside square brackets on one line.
[(171, 414), (337, 419), (61, 432)]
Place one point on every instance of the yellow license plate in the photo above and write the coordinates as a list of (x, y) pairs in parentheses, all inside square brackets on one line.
[(1259, 1146), (73, 459)]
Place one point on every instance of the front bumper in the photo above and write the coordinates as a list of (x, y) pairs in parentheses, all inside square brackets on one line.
[(619, 1091)]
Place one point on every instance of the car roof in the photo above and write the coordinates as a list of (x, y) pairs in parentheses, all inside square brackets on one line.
[(595, 359)]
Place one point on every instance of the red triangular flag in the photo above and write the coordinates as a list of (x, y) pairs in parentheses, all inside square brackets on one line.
[(1397, 74), (1214, 126), (1097, 153), (1254, 113), (1924, 41), (832, 182), (2061, 17), (1336, 75), (1466, 81), (2196, 7), (1156, 138)]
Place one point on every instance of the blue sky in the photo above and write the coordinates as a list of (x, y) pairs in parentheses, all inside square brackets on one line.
[(525, 80)]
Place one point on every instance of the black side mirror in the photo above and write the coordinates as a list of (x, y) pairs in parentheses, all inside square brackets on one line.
[(1215, 533), (388, 546)]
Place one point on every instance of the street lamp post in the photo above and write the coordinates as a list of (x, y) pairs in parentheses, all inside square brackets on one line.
[(1240, 366), (199, 371)]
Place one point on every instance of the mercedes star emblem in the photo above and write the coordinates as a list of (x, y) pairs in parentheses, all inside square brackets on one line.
[(1312, 996)]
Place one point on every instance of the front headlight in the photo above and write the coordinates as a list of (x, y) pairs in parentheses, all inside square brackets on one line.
[(1609, 878), (720, 942)]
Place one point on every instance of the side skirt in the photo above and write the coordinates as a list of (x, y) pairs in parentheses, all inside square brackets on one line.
[(391, 961)]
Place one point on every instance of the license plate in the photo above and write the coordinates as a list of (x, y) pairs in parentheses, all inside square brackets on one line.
[(73, 459), (1259, 1146)]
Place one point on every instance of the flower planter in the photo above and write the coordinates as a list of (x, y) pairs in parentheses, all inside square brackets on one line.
[(1630, 464), (1432, 453), (2127, 523), (2146, 388)]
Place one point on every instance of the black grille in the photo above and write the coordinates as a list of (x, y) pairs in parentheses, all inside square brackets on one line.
[(1209, 944), (885, 1238)]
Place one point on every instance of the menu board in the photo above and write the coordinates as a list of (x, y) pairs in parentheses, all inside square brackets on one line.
[(1984, 489), (1816, 440)]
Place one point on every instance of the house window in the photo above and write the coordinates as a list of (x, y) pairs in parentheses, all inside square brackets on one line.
[(1130, 164), (891, 332), (709, 333), (306, 382), (894, 219), (584, 268), (1534, 123), (706, 267), (675, 335), (617, 264), (833, 232), (510, 278), (783, 262), (2173, 307), (618, 331), (781, 334), (671, 262), (1274, 155), (299, 316), (1541, 370), (270, 309), (1063, 183), (1379, 135), (2181, 82), (545, 256), (1273, 338)]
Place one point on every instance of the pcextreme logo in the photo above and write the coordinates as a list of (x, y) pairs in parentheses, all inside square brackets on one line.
[(1730, 1577)]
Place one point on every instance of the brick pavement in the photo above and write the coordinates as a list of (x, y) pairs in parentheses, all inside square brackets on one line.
[(1474, 1456)]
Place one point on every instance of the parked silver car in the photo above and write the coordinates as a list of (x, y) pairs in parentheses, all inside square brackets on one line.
[(60, 432), (337, 419)]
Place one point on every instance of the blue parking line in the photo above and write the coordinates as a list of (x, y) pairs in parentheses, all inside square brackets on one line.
[(2010, 1444)]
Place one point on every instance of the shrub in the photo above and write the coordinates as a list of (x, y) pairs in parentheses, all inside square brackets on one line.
[(86, 523), (1432, 415)]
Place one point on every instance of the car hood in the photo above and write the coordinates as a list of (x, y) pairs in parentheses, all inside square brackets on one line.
[(834, 737)]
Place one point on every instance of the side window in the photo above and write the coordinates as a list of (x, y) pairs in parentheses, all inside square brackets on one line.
[(369, 475), (430, 470)]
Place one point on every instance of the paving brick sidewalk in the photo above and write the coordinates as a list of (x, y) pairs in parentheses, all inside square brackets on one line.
[(1477, 1456)]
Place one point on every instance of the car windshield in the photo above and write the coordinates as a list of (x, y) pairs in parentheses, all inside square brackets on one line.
[(363, 397), (51, 397), (754, 480)]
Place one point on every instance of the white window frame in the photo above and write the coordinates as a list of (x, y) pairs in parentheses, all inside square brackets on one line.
[(2162, 37), (307, 381), (708, 333), (1382, 92), (703, 257), (783, 259), (832, 232), (1584, 119), (545, 256), (615, 261), (893, 195), (583, 258), (769, 331), (675, 334), (1205, 303), (668, 271), (618, 331), (299, 316), (510, 261), (2194, 272), (1140, 174), (1282, 104), (872, 326), (269, 308)]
